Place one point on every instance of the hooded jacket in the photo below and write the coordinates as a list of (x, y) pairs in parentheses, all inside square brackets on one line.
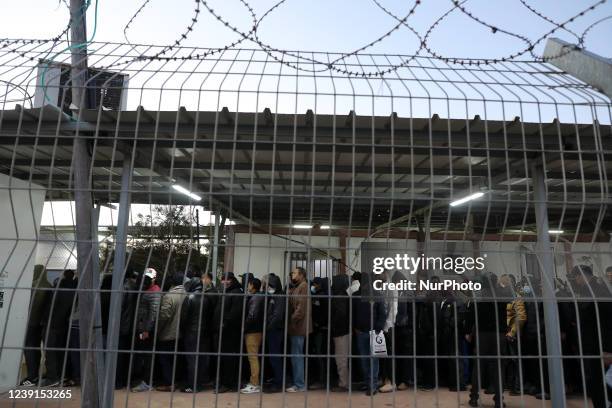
[(300, 310), (229, 303), (192, 312), (170, 314), (320, 305), (275, 308), (340, 304), (368, 312)]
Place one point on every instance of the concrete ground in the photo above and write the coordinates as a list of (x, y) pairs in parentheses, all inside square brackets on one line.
[(316, 399)]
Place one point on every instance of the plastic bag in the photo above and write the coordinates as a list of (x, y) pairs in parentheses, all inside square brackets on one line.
[(378, 345)]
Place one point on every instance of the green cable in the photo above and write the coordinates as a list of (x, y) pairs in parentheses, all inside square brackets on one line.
[(71, 47)]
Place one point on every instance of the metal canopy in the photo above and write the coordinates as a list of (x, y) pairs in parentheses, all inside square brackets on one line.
[(277, 169)]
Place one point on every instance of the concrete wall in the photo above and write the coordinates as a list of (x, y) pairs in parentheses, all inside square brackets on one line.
[(261, 253), (21, 207)]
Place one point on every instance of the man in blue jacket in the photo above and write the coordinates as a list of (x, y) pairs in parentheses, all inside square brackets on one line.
[(368, 314)]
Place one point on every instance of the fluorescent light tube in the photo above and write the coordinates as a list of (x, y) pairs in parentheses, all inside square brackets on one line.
[(188, 193), (466, 199)]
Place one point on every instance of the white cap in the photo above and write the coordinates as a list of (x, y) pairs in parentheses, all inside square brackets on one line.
[(150, 272)]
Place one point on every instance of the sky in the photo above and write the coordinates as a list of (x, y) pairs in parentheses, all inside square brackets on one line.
[(327, 26), (321, 25)]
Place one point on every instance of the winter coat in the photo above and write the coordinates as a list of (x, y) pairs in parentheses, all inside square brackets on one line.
[(275, 308), (231, 304), (147, 303), (60, 303), (490, 315), (368, 313), (589, 326), (170, 314), (516, 316), (253, 323), (340, 305), (128, 308), (41, 291), (320, 306), (192, 310), (300, 310)]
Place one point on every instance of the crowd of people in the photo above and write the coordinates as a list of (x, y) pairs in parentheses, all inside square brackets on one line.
[(183, 332)]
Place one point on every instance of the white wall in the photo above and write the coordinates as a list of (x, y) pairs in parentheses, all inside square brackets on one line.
[(21, 207), (261, 253)]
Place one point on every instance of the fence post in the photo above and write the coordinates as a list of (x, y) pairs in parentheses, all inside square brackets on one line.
[(551, 312), (114, 315)]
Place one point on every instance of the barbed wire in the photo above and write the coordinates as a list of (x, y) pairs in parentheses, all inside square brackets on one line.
[(307, 63)]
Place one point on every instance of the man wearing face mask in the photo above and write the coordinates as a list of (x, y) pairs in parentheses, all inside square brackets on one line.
[(275, 329), (299, 325)]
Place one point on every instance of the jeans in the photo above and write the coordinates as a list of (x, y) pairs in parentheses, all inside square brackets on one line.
[(297, 360), (369, 364), (274, 340), (253, 342)]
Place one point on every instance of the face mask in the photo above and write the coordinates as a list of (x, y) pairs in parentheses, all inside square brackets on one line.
[(313, 290), (271, 290), (527, 290), (353, 288)]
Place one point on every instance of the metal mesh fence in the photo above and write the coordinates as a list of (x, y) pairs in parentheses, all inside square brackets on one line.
[(257, 228)]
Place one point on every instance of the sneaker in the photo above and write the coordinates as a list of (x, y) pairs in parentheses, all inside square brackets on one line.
[(29, 382), (250, 389), (403, 386), (315, 386), (473, 403), (542, 396), (165, 388), (294, 388), (50, 383), (387, 387), (371, 392), (489, 391), (143, 386), (190, 390)]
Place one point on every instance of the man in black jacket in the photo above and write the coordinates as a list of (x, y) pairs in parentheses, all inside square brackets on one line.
[(319, 338), (192, 334), (594, 328), (228, 323), (368, 314), (126, 326), (340, 329), (275, 329), (59, 310), (253, 332), (487, 327), (404, 336)]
